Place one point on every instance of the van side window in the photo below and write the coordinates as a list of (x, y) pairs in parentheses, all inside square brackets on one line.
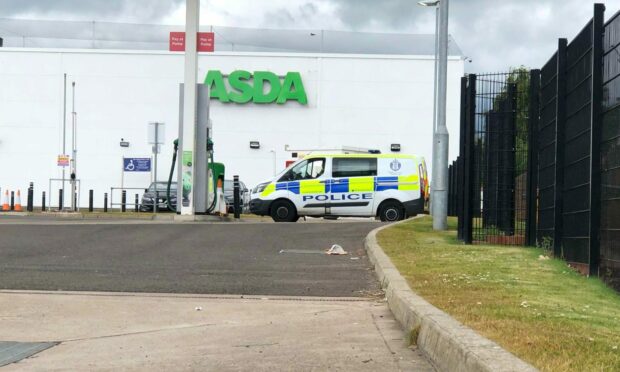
[(306, 170), (354, 167)]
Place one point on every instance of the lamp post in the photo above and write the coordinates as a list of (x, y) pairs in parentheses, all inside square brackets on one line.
[(434, 160), (440, 218)]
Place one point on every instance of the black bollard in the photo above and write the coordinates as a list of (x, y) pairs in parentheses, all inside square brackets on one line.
[(136, 204), (124, 201), (156, 202), (43, 202), (105, 202), (12, 200), (90, 200), (60, 199), (236, 197), (29, 206)]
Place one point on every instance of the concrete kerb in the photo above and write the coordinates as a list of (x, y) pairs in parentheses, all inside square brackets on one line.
[(448, 344)]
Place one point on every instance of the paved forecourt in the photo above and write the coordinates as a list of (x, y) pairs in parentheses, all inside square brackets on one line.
[(221, 258)]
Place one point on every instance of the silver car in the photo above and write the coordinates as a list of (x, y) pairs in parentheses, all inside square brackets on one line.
[(229, 196)]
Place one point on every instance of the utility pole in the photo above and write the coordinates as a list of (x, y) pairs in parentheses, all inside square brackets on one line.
[(73, 151), (64, 129), (188, 133), (441, 137), (435, 70)]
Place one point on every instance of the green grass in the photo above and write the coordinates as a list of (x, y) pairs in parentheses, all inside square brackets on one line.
[(538, 309)]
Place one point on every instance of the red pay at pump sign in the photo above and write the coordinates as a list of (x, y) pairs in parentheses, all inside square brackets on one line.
[(205, 42)]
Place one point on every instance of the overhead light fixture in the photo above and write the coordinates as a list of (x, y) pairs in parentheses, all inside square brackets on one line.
[(124, 143), (428, 3), (254, 145), (395, 147)]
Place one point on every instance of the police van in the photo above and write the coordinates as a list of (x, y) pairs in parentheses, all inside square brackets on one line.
[(388, 186)]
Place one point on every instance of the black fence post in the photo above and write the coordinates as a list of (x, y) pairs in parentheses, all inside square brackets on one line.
[(598, 29), (460, 160), (90, 200), (43, 202), (236, 197), (123, 200), (137, 204), (105, 202), (450, 190), (455, 187), (531, 198), (559, 146), (469, 171), (60, 197), (29, 206)]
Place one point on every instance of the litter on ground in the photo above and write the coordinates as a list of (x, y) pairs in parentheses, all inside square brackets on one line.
[(336, 250)]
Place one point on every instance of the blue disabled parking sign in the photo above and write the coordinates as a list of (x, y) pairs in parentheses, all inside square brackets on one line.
[(137, 164)]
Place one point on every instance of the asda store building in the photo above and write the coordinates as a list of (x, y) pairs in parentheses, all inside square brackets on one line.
[(264, 106)]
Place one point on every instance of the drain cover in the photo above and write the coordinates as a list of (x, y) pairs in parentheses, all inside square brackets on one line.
[(11, 351)]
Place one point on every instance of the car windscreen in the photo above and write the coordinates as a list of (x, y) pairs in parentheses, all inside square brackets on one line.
[(230, 184), (162, 186)]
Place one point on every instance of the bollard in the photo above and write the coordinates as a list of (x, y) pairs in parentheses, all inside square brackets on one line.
[(43, 202), (12, 200), (156, 202), (124, 201), (90, 200), (29, 206), (236, 197), (137, 204), (105, 202), (60, 199)]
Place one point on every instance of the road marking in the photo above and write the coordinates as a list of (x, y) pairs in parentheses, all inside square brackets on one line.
[(301, 251)]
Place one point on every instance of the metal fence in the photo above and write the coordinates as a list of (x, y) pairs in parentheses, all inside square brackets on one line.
[(610, 155), (495, 122), (569, 147), (540, 153)]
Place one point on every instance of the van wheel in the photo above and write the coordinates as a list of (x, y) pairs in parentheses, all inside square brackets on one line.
[(391, 211), (283, 211)]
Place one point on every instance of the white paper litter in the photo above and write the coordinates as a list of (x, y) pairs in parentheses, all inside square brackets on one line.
[(336, 250)]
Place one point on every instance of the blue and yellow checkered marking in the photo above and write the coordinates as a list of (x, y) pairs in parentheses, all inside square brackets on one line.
[(345, 185)]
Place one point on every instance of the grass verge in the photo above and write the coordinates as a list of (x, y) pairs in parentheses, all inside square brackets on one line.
[(538, 309)]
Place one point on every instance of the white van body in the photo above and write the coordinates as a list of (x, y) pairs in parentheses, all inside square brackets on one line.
[(388, 186)]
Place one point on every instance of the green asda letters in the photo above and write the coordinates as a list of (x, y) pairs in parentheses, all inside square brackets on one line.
[(260, 87)]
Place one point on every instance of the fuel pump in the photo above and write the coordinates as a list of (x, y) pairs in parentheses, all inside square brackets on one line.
[(196, 182), (215, 171)]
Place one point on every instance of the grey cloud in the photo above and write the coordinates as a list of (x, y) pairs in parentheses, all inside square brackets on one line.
[(360, 13), (496, 34), (291, 16), (101, 9)]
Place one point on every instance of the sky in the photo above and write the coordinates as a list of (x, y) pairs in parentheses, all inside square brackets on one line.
[(495, 34)]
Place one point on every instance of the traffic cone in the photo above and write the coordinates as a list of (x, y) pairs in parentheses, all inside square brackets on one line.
[(5, 202), (220, 198), (18, 202)]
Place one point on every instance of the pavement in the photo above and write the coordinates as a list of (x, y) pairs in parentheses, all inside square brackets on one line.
[(224, 258), (138, 332), (151, 295)]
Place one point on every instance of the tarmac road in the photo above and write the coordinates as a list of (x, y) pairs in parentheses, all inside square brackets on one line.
[(225, 258)]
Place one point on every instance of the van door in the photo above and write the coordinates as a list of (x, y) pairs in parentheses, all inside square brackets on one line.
[(352, 186), (306, 183)]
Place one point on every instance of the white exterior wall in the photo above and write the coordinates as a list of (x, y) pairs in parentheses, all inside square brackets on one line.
[(362, 101)]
